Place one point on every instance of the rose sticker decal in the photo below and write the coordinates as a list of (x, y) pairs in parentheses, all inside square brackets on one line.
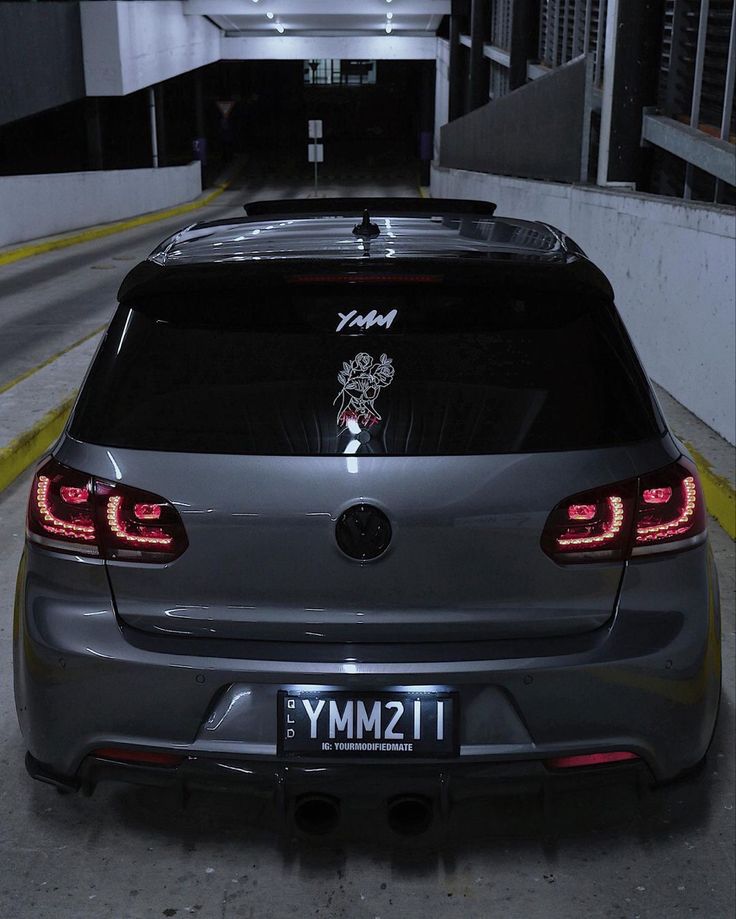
[(362, 379)]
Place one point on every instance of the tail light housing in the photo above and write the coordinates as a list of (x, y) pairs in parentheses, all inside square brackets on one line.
[(659, 512), (70, 511)]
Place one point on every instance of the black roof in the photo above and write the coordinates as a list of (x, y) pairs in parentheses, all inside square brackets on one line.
[(292, 234)]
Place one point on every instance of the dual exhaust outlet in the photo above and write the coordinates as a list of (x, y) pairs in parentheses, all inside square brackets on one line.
[(407, 815)]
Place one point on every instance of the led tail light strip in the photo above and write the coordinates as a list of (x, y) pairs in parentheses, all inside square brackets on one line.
[(681, 524), (610, 529), (118, 527), (54, 524)]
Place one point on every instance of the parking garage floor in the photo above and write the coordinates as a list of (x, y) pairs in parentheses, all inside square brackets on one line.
[(135, 853)]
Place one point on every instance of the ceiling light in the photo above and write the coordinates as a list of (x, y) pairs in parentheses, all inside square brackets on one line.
[(269, 15), (279, 28), (389, 28), (389, 15)]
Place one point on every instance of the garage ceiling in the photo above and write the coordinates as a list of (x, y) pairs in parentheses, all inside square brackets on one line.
[(253, 18)]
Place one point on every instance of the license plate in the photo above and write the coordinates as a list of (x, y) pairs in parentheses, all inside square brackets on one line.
[(337, 724)]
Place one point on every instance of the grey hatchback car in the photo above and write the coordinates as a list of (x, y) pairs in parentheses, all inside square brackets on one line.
[(366, 494)]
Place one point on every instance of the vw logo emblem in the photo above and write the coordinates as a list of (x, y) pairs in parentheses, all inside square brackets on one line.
[(363, 532)]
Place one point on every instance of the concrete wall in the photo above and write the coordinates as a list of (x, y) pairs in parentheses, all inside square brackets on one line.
[(348, 47), (672, 265), (441, 92), (540, 130), (131, 45), (40, 58), (33, 206)]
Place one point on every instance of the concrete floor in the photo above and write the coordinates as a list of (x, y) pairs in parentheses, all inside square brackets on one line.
[(131, 853)]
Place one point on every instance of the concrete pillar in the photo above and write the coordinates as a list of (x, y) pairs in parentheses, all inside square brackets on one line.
[(638, 34), (479, 69), (95, 159), (456, 75), (152, 121), (524, 39), (426, 118), (161, 124), (199, 104)]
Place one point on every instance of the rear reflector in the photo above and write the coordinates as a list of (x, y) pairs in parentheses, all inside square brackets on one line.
[(143, 757), (589, 759)]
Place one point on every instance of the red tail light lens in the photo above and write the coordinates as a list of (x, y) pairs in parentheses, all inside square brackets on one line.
[(592, 526), (671, 507), (137, 525), (61, 509), (656, 513), (73, 512)]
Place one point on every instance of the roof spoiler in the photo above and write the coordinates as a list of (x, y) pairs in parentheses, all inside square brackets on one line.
[(355, 207)]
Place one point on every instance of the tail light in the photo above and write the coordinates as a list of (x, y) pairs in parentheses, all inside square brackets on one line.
[(73, 512), (592, 526), (671, 508), (659, 512)]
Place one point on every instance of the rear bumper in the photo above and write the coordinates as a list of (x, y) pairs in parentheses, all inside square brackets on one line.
[(283, 781), (648, 683)]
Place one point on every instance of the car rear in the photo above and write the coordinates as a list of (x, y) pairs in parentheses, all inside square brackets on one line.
[(417, 519)]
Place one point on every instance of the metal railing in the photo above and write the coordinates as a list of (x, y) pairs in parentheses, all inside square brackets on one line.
[(697, 84), (693, 131), (569, 28)]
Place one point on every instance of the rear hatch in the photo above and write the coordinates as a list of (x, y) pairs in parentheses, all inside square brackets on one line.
[(462, 413)]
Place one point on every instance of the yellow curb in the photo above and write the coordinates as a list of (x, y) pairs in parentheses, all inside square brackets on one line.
[(30, 445), (720, 496), (29, 373), (422, 192), (15, 255)]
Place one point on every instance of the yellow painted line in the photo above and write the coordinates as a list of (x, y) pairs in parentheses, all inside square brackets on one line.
[(62, 242), (29, 373), (720, 496), (31, 444)]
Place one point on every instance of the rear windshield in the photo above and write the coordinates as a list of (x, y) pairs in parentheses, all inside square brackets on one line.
[(415, 370)]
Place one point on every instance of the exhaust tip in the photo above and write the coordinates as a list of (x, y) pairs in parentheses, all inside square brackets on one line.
[(316, 815), (410, 815)]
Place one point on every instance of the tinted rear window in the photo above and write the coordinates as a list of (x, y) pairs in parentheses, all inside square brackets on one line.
[(417, 370)]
